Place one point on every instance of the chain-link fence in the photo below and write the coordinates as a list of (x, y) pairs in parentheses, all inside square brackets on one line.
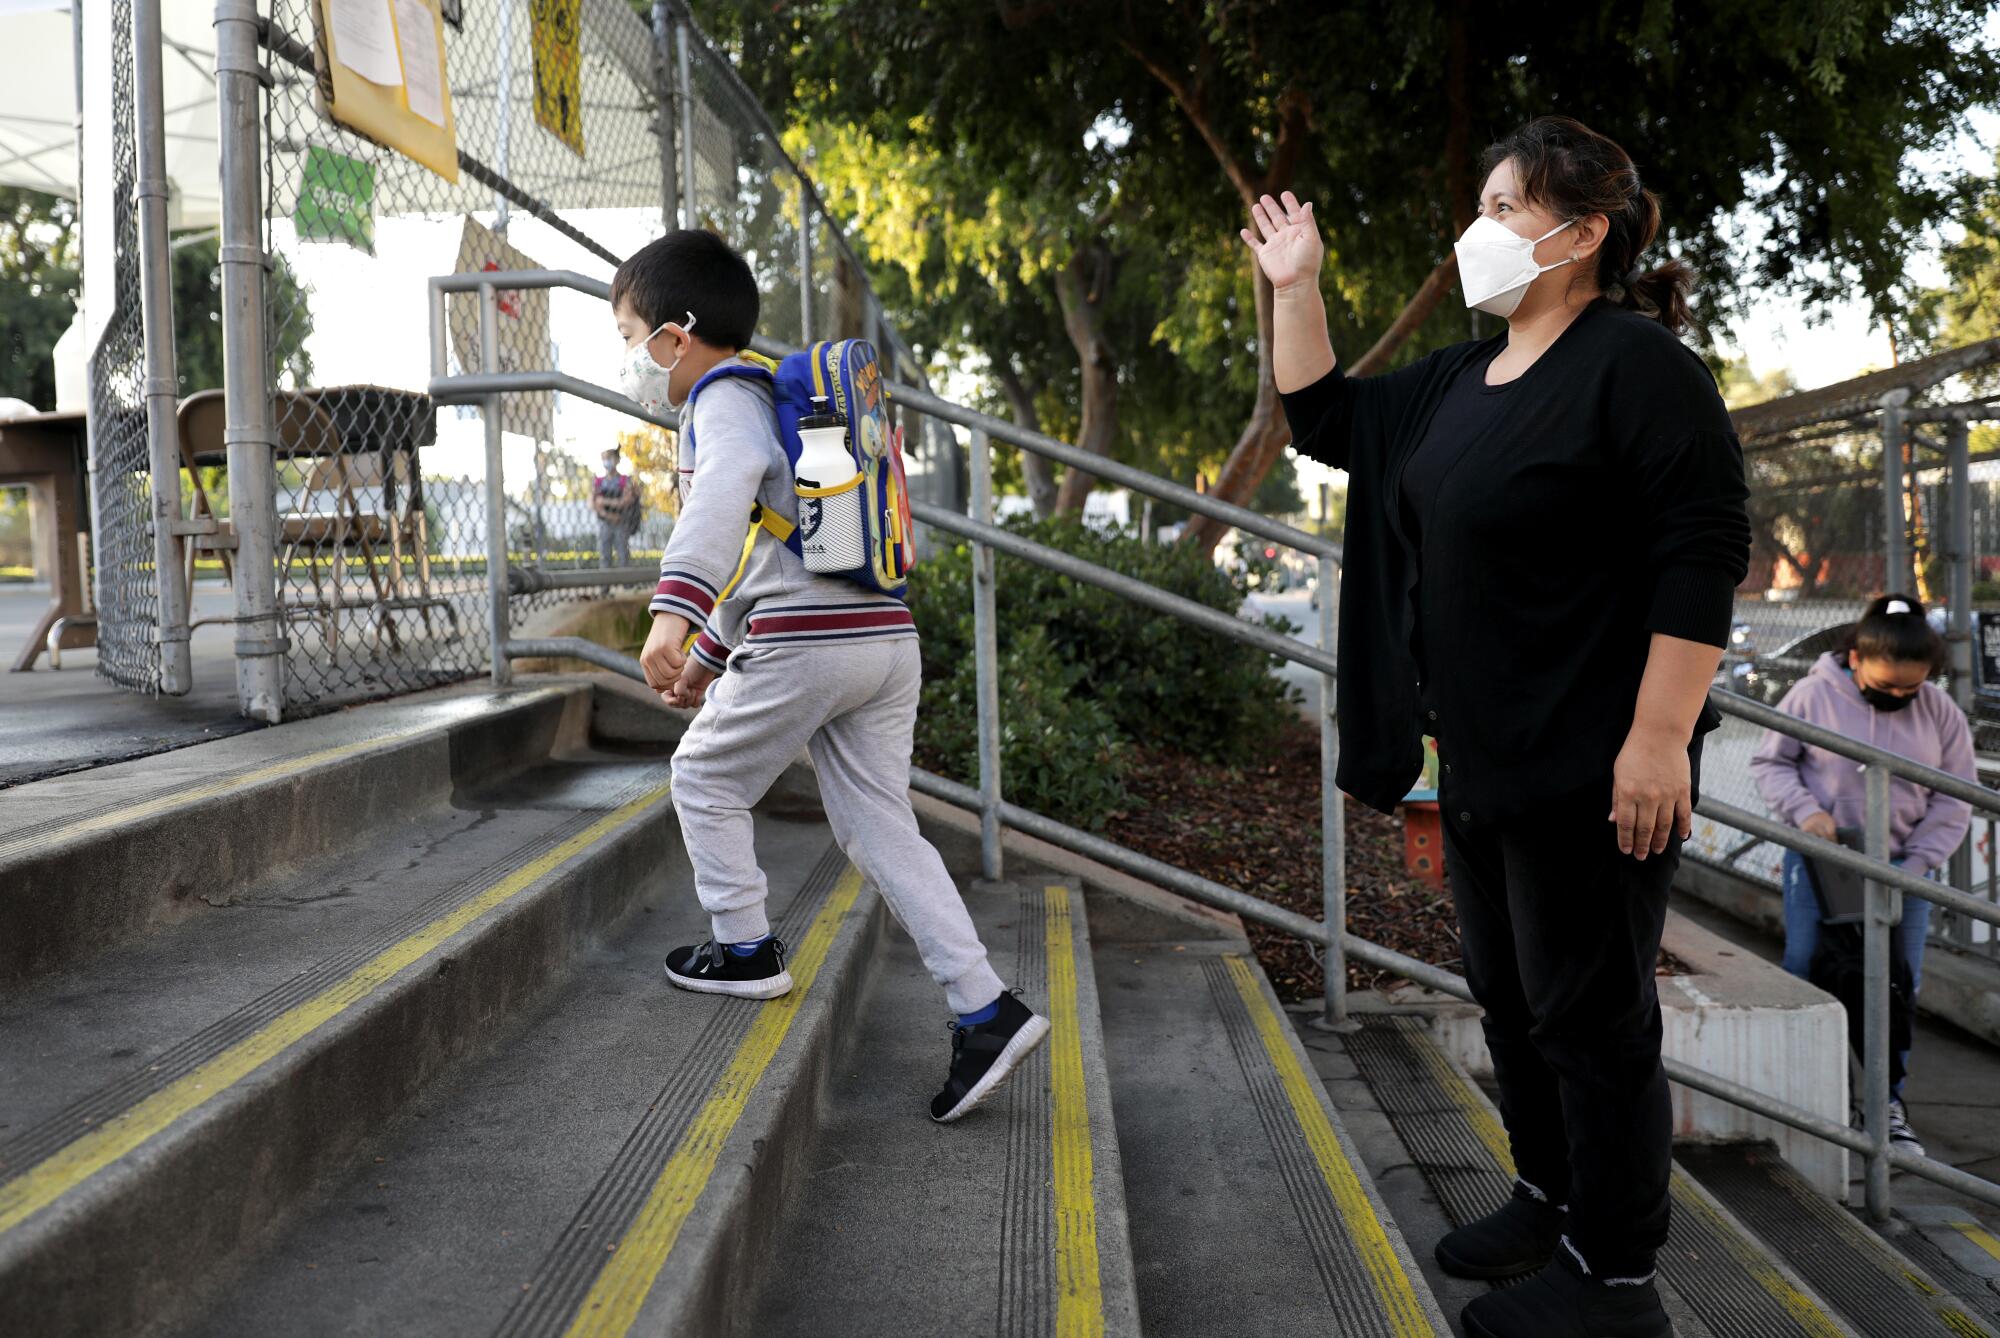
[(575, 134), (128, 648)]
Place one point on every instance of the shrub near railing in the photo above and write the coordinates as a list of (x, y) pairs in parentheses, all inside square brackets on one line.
[(1085, 673)]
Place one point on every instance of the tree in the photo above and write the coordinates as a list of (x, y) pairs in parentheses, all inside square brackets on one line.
[(40, 270), (1813, 115), (38, 284)]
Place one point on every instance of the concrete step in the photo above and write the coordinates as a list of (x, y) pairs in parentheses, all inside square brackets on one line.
[(1011, 1221), (1717, 1277), (608, 1167), (1954, 1247), (184, 1091), (102, 857), (1877, 1287), (1252, 1210)]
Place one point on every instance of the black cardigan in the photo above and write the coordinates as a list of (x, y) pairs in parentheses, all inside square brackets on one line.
[(1603, 504)]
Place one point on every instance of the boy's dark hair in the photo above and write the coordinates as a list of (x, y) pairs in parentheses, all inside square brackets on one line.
[(691, 270), (1903, 635)]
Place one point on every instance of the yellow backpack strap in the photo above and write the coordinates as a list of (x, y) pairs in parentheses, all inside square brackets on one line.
[(764, 521), (774, 525)]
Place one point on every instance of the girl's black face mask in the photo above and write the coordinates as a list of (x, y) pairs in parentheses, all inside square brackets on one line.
[(1886, 701)]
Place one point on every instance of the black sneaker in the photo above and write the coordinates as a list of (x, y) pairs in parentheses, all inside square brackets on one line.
[(983, 1055), (1561, 1301), (710, 968), (1517, 1238)]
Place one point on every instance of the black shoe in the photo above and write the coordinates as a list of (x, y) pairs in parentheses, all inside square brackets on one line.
[(1518, 1237), (983, 1055), (711, 968), (1561, 1302)]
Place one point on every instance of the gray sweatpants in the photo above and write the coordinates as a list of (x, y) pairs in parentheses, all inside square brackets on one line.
[(853, 707)]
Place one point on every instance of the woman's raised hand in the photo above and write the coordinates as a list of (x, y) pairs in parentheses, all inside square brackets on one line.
[(1286, 240)]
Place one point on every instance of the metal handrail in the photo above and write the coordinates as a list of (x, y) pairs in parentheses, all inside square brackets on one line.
[(1884, 881), (468, 386), (1743, 708)]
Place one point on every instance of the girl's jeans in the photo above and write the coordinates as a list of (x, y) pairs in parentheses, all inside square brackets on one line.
[(1802, 928)]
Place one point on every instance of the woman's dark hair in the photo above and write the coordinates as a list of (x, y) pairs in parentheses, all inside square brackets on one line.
[(1904, 635), (1572, 171)]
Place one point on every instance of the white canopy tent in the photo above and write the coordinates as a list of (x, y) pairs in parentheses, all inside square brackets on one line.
[(38, 98)]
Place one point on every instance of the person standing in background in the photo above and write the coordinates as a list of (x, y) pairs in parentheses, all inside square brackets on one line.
[(614, 499), (1878, 691)]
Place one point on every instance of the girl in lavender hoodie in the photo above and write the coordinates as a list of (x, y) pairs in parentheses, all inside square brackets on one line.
[(1878, 692)]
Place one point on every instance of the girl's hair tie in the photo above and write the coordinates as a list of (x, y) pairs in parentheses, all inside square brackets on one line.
[(1896, 606)]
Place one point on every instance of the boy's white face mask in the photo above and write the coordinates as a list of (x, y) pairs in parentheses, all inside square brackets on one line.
[(644, 380), (1496, 264)]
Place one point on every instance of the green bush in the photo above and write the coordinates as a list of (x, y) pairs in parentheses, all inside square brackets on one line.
[(1059, 751), (1065, 644)]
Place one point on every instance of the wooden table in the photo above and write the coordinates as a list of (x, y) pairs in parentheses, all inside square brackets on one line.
[(48, 453)]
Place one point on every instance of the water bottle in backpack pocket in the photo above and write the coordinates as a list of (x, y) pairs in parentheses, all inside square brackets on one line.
[(832, 493)]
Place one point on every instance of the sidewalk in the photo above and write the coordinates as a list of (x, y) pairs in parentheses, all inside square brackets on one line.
[(53, 721)]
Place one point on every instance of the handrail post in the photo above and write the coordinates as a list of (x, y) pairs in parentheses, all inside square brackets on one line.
[(248, 435), (1332, 818), (1897, 574), (986, 662), (1958, 634), (496, 491), (156, 308), (666, 110), (1883, 909)]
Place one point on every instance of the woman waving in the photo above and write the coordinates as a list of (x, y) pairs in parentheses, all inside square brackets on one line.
[(1544, 532)]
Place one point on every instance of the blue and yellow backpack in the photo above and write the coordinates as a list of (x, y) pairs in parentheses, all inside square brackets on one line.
[(845, 372)]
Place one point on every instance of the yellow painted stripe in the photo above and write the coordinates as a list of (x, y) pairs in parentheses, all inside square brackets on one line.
[(124, 1133), (1487, 1127), (1485, 1124), (1802, 1308), (1079, 1291), (1398, 1298), (195, 794), (1979, 1236), (634, 1263)]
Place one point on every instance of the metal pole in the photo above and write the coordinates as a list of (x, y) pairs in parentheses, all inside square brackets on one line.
[(496, 492), (805, 262), (503, 78), (1332, 818), (156, 307), (986, 662), (1896, 538), (1884, 908), (247, 430), (684, 79), (1958, 633), (663, 39)]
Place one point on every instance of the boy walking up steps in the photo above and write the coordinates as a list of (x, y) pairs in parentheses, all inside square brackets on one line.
[(797, 661)]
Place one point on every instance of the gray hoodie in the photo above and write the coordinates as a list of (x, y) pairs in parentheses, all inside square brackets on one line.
[(730, 459), (1798, 779)]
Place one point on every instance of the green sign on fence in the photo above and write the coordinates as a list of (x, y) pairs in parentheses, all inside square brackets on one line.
[(336, 200)]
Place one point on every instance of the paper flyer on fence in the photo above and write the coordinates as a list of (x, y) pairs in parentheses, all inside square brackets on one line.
[(524, 329), (423, 62), (364, 40)]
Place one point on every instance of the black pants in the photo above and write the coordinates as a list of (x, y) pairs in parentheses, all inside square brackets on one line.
[(1561, 936)]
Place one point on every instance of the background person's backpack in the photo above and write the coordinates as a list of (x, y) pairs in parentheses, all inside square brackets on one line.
[(845, 372), (1837, 963)]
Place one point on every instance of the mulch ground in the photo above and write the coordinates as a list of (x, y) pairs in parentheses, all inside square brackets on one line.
[(1256, 829)]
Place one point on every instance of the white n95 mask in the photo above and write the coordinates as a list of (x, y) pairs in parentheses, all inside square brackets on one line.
[(1496, 264), (644, 380)]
